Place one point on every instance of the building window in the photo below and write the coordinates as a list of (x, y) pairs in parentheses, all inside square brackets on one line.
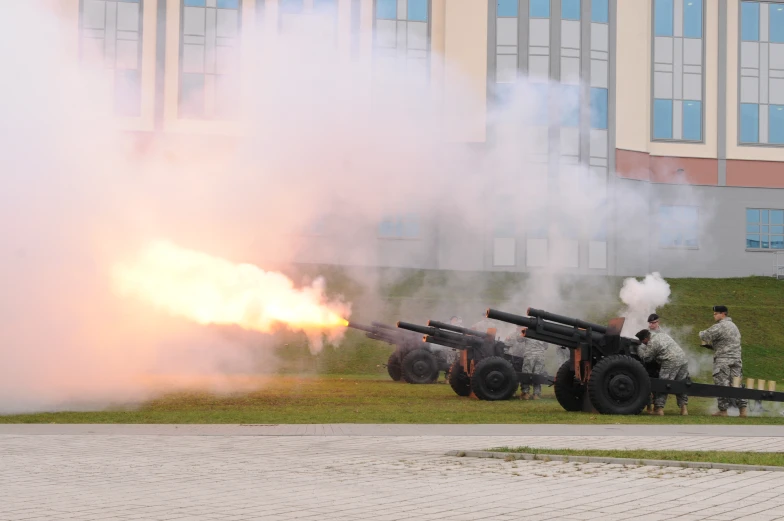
[(402, 32), (539, 9), (506, 44), (405, 226), (570, 105), (570, 9), (678, 227), (600, 11), (209, 52), (598, 108), (293, 15), (678, 77), (764, 229), (111, 38), (761, 71)]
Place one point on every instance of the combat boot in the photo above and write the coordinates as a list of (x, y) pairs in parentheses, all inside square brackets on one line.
[(535, 397), (658, 411), (649, 408), (524, 396), (719, 413), (743, 412), (684, 411)]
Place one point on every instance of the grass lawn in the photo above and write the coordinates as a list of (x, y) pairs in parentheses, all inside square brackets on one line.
[(738, 458), (362, 399)]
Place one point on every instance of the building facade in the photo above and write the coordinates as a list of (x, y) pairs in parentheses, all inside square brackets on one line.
[(674, 97)]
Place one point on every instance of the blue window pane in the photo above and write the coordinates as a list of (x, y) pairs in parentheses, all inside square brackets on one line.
[(291, 6), (325, 5), (539, 9), (764, 241), (662, 119), (777, 217), (417, 10), (777, 229), (692, 18), (229, 4), (752, 228), (195, 3), (777, 242), (752, 216), (749, 21), (600, 11), (764, 229), (507, 8), (752, 241), (764, 216), (570, 9), (662, 18), (570, 105), (776, 27), (598, 108), (410, 226), (749, 123), (776, 122), (386, 9), (692, 120)]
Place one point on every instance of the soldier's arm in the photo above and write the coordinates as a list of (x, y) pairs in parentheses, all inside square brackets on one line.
[(709, 336)]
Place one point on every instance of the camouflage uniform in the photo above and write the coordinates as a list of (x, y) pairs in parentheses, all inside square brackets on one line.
[(724, 338), (674, 366), (563, 355), (533, 361)]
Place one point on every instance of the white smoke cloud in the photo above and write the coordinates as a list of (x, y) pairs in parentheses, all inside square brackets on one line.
[(642, 297)]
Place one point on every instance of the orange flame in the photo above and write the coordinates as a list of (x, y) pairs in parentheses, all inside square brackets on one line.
[(211, 290)]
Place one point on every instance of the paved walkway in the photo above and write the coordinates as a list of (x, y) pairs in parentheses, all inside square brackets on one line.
[(95, 472)]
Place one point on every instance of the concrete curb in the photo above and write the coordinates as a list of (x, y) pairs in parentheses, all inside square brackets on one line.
[(618, 461)]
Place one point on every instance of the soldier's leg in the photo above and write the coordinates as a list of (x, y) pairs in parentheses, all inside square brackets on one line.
[(527, 368), (538, 369), (736, 370), (682, 374), (667, 372), (721, 376)]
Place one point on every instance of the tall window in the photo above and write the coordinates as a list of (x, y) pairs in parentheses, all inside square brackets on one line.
[(506, 34), (111, 38), (679, 227), (539, 39), (402, 34), (765, 229), (209, 54), (403, 226), (294, 13), (761, 111), (678, 70)]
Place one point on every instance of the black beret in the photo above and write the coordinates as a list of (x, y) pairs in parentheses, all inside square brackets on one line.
[(653, 317), (642, 334), (720, 309)]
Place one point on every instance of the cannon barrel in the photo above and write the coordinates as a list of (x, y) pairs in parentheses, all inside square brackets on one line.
[(458, 329), (442, 335), (383, 326), (567, 321), (562, 332), (361, 327), (446, 343), (416, 328)]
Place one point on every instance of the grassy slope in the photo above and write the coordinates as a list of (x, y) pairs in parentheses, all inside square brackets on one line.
[(737, 458), (363, 399)]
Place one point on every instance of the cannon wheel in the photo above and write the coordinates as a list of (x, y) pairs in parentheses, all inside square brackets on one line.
[(420, 367), (494, 379), (568, 392), (619, 384), (459, 381), (393, 367)]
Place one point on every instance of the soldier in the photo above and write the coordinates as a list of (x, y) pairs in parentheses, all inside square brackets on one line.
[(533, 362), (653, 367), (661, 348), (653, 324), (723, 338)]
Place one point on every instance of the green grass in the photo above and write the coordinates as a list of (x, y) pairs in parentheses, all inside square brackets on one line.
[(361, 399), (774, 459)]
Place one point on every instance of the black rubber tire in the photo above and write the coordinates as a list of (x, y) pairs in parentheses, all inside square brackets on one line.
[(619, 384), (420, 367), (494, 379), (394, 368), (568, 393), (459, 380)]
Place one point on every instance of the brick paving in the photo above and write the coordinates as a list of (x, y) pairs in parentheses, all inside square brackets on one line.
[(230, 472)]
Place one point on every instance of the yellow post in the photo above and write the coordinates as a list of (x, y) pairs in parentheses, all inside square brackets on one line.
[(772, 386), (736, 381), (760, 385), (749, 383)]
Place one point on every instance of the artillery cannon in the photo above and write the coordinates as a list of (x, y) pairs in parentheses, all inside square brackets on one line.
[(604, 371), (412, 361), (484, 367)]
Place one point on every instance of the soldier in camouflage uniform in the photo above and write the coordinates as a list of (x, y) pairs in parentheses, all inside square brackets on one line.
[(724, 339), (661, 348), (533, 362)]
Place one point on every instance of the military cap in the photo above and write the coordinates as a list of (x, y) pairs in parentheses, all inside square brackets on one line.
[(653, 317), (720, 309)]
